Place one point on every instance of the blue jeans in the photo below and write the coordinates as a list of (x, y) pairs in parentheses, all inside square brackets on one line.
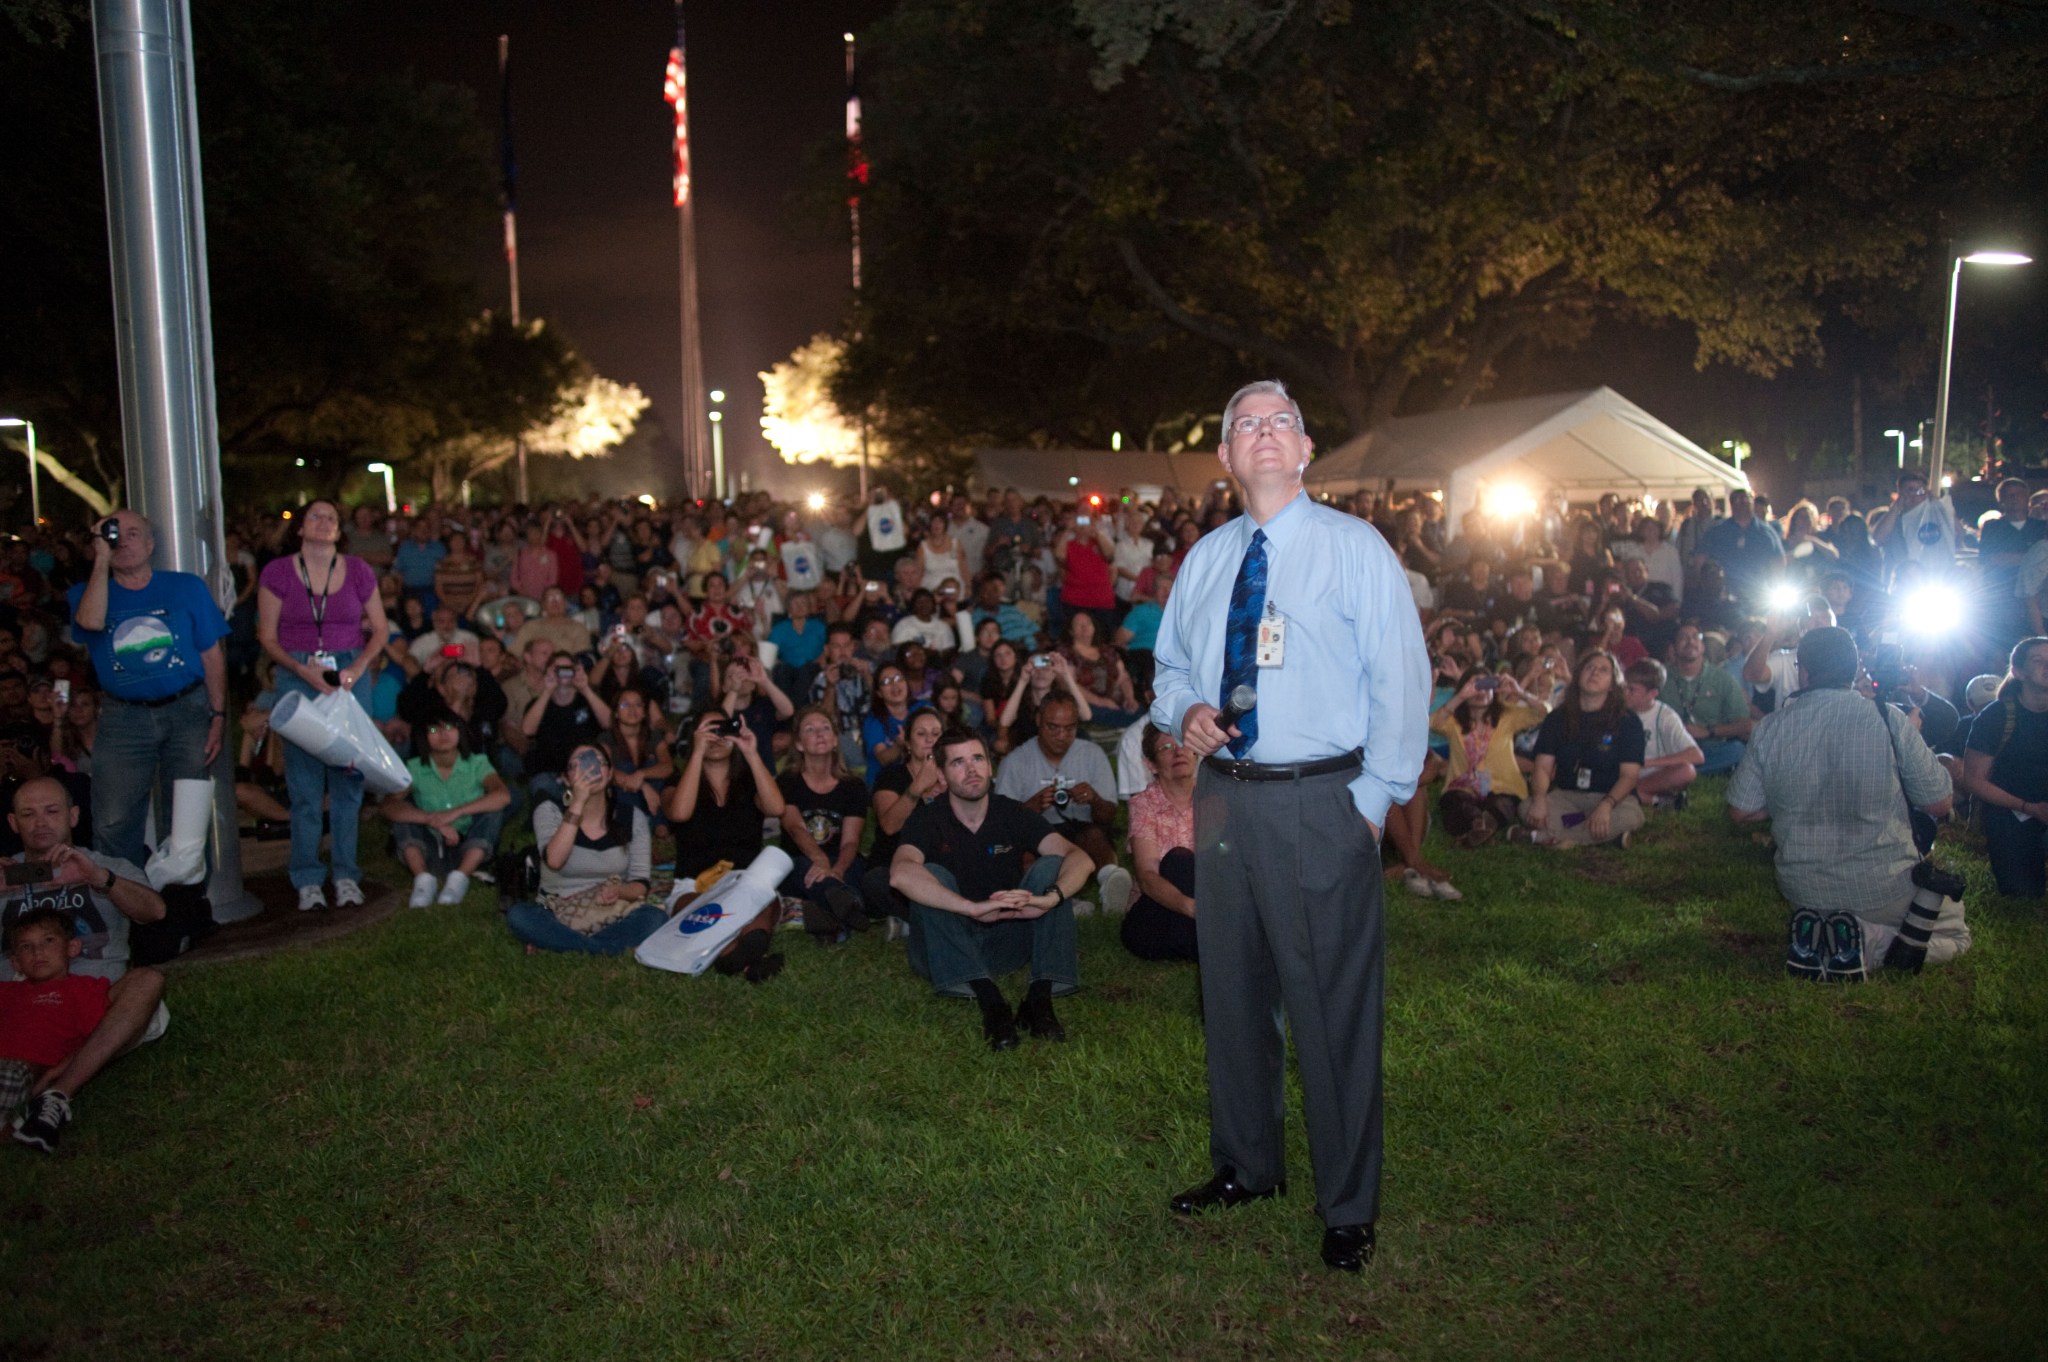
[(138, 750), (308, 780), (441, 858), (536, 926), (1722, 755), (950, 949)]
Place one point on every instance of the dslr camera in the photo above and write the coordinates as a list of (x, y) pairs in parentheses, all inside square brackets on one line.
[(1887, 668)]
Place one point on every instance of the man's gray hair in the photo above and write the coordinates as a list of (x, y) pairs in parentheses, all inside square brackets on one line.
[(1265, 385)]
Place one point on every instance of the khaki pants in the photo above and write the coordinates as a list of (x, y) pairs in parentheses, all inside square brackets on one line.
[(1577, 805)]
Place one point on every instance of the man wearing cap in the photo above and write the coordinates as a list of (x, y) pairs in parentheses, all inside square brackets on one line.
[(1828, 767), (1309, 608), (155, 641)]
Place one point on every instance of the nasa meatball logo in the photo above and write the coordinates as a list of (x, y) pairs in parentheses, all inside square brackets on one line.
[(700, 918)]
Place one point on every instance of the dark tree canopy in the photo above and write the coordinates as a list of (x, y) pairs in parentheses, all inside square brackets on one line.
[(1105, 213), (340, 214)]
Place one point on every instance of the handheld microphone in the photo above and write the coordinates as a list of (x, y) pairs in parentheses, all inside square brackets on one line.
[(1243, 701)]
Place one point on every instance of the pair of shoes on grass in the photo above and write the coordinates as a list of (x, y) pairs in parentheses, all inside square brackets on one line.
[(1826, 948), (1427, 887), (427, 890)]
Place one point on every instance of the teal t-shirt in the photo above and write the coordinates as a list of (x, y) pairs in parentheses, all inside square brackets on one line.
[(432, 793)]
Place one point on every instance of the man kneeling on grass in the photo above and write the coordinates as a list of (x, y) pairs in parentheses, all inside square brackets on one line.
[(1834, 770), (97, 897), (975, 912)]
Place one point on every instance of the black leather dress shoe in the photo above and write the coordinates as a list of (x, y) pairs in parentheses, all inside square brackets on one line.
[(1348, 1248), (1036, 1016), (999, 1028), (1220, 1193)]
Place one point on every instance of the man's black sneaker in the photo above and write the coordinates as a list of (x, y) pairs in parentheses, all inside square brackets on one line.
[(1842, 959), (1803, 952)]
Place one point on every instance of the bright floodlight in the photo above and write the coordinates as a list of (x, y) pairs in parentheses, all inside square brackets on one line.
[(645, 499), (1784, 598), (1509, 501), (1934, 608), (1997, 258), (816, 501)]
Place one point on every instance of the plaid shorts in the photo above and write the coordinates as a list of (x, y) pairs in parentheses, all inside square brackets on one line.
[(17, 1076)]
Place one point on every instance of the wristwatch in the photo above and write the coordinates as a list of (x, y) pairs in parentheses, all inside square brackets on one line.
[(108, 887)]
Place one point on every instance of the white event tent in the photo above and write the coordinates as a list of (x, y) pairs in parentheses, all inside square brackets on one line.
[(1581, 443)]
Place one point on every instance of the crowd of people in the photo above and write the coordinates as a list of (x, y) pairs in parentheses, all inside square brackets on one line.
[(663, 691)]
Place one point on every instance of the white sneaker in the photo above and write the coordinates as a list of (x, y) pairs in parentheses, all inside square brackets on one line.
[(348, 894), (312, 898), (423, 887), (1116, 885), (1417, 883), (1446, 891), (453, 891)]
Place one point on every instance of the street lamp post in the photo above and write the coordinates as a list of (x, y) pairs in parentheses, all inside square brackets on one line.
[(1948, 343), (718, 443), (35, 488), (390, 489), (1737, 450), (1900, 436)]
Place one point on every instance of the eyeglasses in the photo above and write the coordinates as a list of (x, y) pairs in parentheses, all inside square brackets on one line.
[(1282, 422)]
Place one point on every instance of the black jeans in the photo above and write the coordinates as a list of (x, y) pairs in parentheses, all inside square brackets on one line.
[(1151, 930)]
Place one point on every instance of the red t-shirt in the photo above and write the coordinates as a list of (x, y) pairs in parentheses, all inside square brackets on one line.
[(45, 1024), (1088, 584), (569, 560)]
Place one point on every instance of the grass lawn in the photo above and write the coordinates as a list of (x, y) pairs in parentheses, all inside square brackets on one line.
[(1613, 1128)]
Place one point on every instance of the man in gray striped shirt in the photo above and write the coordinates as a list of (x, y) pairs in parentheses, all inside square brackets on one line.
[(1834, 771)]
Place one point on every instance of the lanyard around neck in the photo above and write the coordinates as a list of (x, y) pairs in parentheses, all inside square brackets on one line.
[(318, 604)]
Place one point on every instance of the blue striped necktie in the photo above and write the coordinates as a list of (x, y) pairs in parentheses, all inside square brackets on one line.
[(1241, 638)]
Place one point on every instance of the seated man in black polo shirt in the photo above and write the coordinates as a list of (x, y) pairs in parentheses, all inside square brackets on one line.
[(975, 911)]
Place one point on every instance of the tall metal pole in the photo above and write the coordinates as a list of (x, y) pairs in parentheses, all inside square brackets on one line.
[(856, 181), (163, 331), (511, 197), (695, 433), (1948, 349)]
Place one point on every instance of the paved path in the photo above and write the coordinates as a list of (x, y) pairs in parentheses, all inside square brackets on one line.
[(281, 926)]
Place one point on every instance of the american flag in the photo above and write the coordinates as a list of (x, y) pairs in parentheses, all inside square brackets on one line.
[(673, 90)]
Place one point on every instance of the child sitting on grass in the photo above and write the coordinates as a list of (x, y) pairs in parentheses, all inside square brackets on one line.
[(45, 1017)]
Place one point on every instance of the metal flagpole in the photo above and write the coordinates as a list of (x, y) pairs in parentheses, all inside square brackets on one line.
[(696, 421), (163, 327), (856, 180), (509, 187)]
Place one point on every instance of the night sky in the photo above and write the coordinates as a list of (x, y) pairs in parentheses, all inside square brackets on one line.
[(598, 228), (597, 223)]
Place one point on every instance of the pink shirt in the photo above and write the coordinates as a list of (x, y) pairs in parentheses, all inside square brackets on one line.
[(341, 629), (1154, 815)]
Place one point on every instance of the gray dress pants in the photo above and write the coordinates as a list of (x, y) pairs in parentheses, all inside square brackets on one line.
[(1291, 914)]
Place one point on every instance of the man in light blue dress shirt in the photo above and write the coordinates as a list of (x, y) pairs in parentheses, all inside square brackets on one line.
[(1287, 827)]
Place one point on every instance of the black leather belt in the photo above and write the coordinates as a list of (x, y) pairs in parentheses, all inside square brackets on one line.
[(1286, 770), (159, 704)]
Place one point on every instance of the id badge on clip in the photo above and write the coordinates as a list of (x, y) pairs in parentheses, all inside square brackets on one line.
[(1585, 778), (1272, 644), (324, 661)]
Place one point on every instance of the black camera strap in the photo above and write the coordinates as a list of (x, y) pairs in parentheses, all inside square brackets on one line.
[(1884, 717), (318, 604)]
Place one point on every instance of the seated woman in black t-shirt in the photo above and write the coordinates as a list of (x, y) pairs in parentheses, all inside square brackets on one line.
[(824, 808), (1589, 752), (718, 801), (901, 790)]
